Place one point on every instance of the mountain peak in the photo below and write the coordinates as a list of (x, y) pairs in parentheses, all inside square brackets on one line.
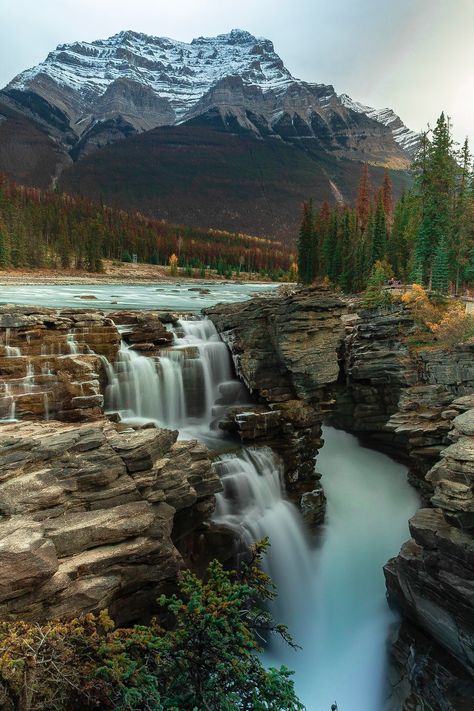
[(177, 71), (133, 82)]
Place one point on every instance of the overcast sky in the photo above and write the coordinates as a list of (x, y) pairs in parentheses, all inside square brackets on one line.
[(416, 56)]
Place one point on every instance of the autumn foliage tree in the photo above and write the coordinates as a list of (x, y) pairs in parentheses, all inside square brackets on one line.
[(47, 229)]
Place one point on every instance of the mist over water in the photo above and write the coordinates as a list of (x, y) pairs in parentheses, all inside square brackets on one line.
[(346, 617)]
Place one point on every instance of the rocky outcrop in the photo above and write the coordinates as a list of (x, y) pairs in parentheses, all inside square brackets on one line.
[(56, 363), (52, 362), (432, 583), (143, 331), (396, 396), (285, 350), (91, 516)]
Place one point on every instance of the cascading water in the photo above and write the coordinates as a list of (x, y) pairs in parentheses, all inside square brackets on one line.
[(10, 351), (347, 620), (331, 596), (253, 502), (184, 388)]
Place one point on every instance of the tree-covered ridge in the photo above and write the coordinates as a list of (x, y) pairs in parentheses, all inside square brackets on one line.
[(46, 229), (426, 237)]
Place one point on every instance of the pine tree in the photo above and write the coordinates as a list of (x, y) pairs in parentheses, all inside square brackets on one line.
[(346, 278), (379, 234), (440, 277), (332, 249), (363, 199), (387, 199), (375, 295), (397, 244), (306, 245), (435, 185), (4, 251), (462, 231)]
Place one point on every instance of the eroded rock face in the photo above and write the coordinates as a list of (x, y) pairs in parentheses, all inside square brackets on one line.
[(52, 362), (397, 397), (144, 331), (88, 516), (285, 350), (432, 582)]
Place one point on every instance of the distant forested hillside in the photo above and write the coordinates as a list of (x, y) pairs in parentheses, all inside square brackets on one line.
[(46, 229)]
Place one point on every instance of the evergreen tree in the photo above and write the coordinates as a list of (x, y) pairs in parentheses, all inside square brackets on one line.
[(375, 295), (435, 183), (440, 276), (387, 198), (346, 279), (306, 245), (333, 249), (379, 238), (4, 251), (363, 199), (397, 244), (462, 229)]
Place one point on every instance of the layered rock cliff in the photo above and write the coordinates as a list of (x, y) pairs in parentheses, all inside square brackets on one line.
[(87, 514), (398, 396), (285, 350), (432, 583), (417, 404)]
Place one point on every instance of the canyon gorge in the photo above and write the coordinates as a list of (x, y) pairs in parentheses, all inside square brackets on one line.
[(136, 442)]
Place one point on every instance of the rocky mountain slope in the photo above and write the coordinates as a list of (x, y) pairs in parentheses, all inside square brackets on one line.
[(90, 96)]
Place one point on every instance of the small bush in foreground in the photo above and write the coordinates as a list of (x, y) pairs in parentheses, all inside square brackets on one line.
[(209, 660)]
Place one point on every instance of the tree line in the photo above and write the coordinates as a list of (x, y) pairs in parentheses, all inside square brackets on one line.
[(41, 229), (426, 237)]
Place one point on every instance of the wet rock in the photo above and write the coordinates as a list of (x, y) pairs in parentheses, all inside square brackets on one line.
[(145, 331), (313, 507)]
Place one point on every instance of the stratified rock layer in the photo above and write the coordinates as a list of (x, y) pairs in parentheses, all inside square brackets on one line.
[(432, 583), (88, 516), (52, 362), (285, 350), (397, 396)]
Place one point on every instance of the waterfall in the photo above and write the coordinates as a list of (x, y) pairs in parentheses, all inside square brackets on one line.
[(29, 379), (331, 595), (7, 395), (253, 502), (72, 343), (346, 617), (185, 387), (10, 351)]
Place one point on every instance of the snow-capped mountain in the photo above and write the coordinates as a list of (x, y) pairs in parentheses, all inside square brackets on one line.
[(216, 132), (409, 140), (177, 72), (105, 90)]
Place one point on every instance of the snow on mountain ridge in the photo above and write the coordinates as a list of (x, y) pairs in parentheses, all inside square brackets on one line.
[(158, 80), (178, 71), (409, 140)]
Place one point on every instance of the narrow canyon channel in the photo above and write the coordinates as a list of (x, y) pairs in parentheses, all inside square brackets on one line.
[(331, 591)]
